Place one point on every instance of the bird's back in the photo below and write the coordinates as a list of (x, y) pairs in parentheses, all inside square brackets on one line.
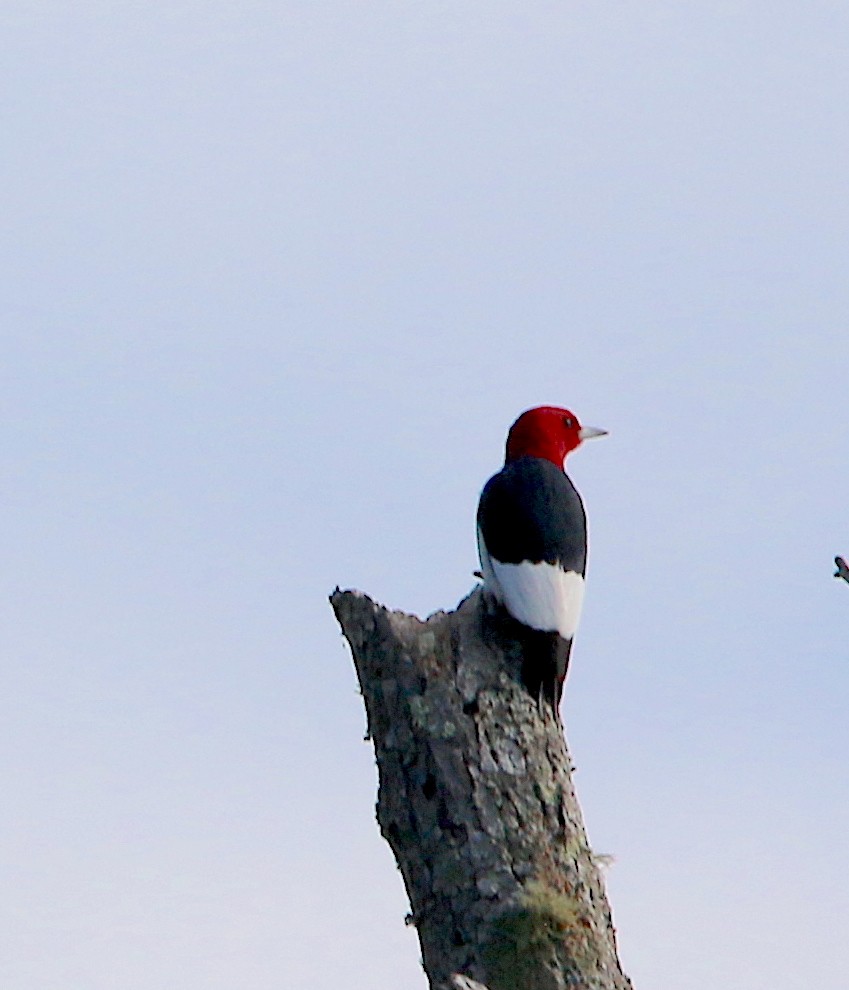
[(530, 510)]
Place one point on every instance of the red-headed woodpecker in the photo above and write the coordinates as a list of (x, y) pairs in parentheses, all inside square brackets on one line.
[(532, 541)]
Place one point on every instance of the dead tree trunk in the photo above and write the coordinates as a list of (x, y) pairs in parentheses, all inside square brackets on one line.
[(476, 801)]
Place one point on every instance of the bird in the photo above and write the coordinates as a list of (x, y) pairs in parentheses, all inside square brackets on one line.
[(532, 543)]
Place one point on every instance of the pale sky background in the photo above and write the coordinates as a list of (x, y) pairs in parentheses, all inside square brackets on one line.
[(276, 280)]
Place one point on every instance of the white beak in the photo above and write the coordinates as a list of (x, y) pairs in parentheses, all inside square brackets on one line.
[(589, 432)]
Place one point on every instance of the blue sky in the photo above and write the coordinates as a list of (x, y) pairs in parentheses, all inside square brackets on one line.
[(277, 279)]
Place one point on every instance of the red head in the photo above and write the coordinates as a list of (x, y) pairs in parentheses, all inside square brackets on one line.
[(548, 432)]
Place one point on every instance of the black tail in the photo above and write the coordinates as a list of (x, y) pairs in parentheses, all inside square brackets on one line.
[(545, 660), (542, 658)]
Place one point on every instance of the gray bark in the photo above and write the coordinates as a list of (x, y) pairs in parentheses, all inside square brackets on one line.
[(476, 801)]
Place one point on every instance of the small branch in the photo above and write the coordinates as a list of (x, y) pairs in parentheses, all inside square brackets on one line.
[(842, 569), (476, 801)]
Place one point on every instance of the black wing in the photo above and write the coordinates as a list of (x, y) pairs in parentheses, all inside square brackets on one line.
[(530, 510)]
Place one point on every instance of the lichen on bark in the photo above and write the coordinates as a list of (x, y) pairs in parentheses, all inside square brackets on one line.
[(476, 800)]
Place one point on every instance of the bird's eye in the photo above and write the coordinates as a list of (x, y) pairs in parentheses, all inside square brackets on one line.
[(568, 422)]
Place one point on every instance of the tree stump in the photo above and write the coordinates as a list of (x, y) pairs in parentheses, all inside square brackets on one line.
[(476, 800)]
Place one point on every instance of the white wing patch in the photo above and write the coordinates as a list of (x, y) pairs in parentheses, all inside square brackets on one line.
[(542, 596)]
